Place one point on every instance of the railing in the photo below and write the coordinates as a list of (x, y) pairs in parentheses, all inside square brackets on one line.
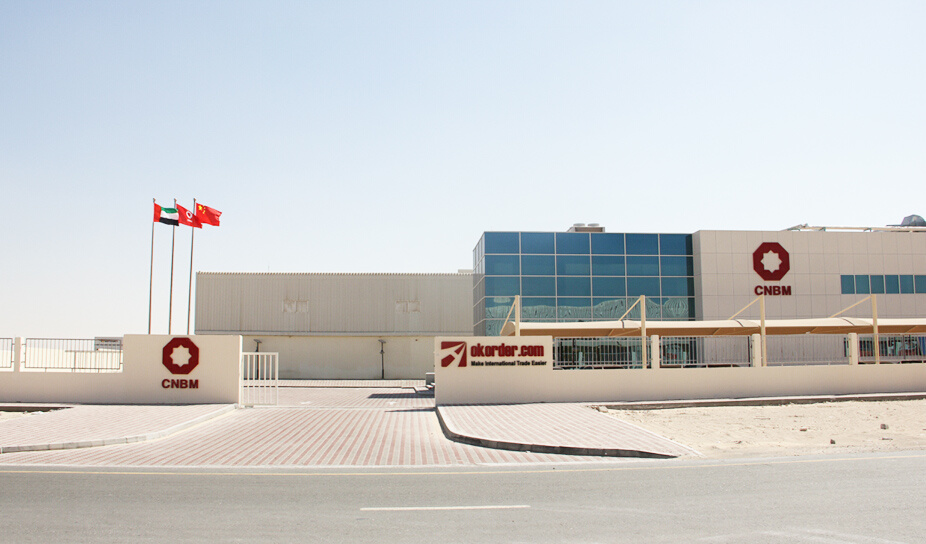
[(6, 354), (807, 349), (596, 353), (72, 355), (260, 378), (907, 348), (703, 352)]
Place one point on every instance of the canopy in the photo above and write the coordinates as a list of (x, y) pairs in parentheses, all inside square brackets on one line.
[(734, 327)]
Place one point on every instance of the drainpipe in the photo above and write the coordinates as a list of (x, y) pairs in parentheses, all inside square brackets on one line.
[(382, 358)]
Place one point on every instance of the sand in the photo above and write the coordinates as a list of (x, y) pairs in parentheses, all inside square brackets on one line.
[(10, 415), (790, 429)]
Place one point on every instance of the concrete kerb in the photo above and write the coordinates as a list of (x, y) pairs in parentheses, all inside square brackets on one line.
[(756, 401), (120, 440), (543, 448)]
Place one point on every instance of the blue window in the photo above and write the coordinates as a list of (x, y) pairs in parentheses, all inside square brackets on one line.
[(891, 285), (642, 266), (862, 286), (920, 283), (539, 286), (677, 287), (607, 243), (607, 266), (609, 287), (570, 265), (906, 284), (848, 284), (574, 308), (674, 309), (574, 287), (572, 243), (538, 265), (675, 244), (538, 308), (877, 284), (502, 265), (497, 307), (501, 242), (677, 266), (537, 242), (643, 286), (642, 244), (609, 308), (502, 286)]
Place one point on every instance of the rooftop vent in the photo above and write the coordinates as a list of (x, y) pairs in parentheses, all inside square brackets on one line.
[(913, 221), (582, 227)]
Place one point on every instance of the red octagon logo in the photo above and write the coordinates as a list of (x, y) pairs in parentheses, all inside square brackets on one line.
[(771, 261), (180, 356)]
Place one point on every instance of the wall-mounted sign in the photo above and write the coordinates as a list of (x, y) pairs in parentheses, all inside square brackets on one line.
[(493, 352), (771, 262), (180, 356)]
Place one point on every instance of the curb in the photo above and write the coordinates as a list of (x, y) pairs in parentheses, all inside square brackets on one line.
[(544, 448), (756, 401), (121, 440)]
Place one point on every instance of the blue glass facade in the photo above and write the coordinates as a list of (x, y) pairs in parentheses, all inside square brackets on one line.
[(581, 276)]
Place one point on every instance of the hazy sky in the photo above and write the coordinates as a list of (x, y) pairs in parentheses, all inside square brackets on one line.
[(386, 136)]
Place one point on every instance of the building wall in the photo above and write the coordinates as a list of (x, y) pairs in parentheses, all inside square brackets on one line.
[(328, 326), (726, 281)]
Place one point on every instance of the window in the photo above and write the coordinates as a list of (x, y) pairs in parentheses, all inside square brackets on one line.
[(537, 242), (607, 243), (643, 286), (503, 286), (877, 284), (538, 265), (676, 266), (572, 265), (572, 243), (574, 287), (642, 244), (919, 284), (891, 284), (906, 284), (862, 286), (675, 244), (609, 287), (848, 284), (607, 266), (574, 308), (501, 242), (539, 286), (677, 287), (502, 265), (642, 266)]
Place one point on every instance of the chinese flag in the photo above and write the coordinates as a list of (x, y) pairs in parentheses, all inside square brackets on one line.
[(207, 215), (188, 218)]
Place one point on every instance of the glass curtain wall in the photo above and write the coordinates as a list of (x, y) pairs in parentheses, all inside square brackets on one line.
[(572, 276)]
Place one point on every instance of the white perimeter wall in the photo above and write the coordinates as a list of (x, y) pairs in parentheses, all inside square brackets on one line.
[(349, 357), (502, 385), (141, 380)]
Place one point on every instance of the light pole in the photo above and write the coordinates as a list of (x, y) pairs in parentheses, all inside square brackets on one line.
[(382, 358)]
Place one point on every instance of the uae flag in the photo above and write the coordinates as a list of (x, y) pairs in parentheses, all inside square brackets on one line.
[(168, 216)]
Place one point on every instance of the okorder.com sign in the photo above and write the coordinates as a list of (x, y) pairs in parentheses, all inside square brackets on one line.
[(492, 351)]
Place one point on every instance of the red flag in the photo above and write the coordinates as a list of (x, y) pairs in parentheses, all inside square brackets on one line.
[(188, 218), (207, 215)]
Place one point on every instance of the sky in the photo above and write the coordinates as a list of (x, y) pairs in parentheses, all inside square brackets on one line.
[(371, 136)]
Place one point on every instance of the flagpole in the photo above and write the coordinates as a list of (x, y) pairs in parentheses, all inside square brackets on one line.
[(189, 297), (151, 273), (170, 304)]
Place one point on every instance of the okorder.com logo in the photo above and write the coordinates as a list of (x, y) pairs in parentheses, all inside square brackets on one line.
[(453, 352)]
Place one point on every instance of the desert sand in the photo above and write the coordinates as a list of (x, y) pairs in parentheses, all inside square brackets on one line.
[(790, 429)]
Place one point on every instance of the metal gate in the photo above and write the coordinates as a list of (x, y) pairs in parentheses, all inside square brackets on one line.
[(260, 379)]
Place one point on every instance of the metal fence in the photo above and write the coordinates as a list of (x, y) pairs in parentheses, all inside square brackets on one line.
[(906, 348), (703, 352), (260, 378), (807, 349), (595, 353), (6, 354), (72, 354)]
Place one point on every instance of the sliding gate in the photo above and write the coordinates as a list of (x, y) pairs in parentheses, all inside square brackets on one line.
[(260, 379)]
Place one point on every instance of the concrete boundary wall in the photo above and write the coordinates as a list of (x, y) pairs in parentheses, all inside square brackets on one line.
[(144, 379), (541, 383)]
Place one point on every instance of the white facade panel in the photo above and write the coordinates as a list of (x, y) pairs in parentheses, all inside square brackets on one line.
[(326, 304)]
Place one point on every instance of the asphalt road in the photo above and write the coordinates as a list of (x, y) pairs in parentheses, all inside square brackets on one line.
[(870, 499)]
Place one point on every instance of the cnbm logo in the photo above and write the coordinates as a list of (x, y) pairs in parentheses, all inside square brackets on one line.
[(771, 262)]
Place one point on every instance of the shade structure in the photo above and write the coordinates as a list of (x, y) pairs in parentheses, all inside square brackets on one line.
[(733, 327)]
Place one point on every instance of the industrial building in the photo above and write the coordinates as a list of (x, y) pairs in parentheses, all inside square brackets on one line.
[(365, 326)]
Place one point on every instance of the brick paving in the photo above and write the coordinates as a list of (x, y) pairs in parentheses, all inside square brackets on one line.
[(87, 425), (313, 427), (556, 427)]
